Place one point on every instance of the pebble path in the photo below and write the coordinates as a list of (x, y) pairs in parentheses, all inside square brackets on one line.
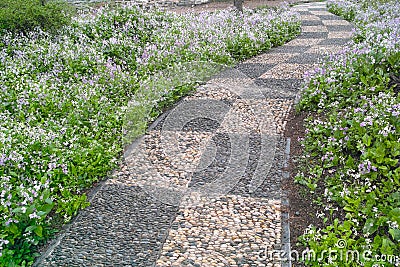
[(202, 187)]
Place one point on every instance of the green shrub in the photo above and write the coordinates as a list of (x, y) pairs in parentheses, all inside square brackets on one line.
[(67, 104), (25, 15)]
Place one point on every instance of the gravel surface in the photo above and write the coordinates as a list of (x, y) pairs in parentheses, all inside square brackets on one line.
[(124, 226), (305, 58), (203, 186), (223, 231)]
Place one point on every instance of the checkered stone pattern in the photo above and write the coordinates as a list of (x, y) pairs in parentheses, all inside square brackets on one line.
[(203, 186), (211, 229)]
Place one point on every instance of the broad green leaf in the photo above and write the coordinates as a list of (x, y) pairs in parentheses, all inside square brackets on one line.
[(370, 226), (367, 140), (395, 213), (31, 228), (348, 208), (395, 233), (14, 229), (49, 201), (350, 162), (46, 208), (39, 230), (379, 154), (387, 246)]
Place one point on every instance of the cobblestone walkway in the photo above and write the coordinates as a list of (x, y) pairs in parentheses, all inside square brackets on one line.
[(202, 187)]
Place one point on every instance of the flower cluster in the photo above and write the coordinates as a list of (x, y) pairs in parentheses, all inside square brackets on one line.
[(354, 142), (64, 99)]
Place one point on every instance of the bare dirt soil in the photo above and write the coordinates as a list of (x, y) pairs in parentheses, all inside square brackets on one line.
[(302, 210)]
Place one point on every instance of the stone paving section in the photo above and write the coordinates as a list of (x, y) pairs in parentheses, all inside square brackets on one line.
[(223, 231), (203, 186)]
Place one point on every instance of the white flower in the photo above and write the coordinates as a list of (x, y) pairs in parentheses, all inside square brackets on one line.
[(34, 216)]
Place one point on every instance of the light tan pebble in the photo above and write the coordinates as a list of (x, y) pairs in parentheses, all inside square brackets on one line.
[(168, 248), (254, 246), (224, 246), (231, 262), (182, 259), (192, 257), (239, 256), (254, 258), (206, 261)]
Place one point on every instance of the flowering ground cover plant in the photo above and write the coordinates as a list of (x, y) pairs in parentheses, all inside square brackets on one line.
[(64, 98), (353, 142)]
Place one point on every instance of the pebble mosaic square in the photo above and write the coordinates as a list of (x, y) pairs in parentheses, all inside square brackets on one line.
[(300, 9), (306, 58), (316, 22), (340, 28), (291, 84), (320, 28), (256, 116), (303, 42), (339, 41), (212, 90), (326, 49), (335, 22), (128, 215), (288, 49), (286, 71), (329, 16), (271, 58), (230, 230), (307, 17), (254, 70), (309, 35), (338, 35), (166, 159), (320, 12)]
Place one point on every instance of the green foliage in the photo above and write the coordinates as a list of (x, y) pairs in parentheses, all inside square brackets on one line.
[(26, 15), (27, 220), (70, 101), (353, 145)]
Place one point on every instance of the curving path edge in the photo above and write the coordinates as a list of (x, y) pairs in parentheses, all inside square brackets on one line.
[(203, 186)]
